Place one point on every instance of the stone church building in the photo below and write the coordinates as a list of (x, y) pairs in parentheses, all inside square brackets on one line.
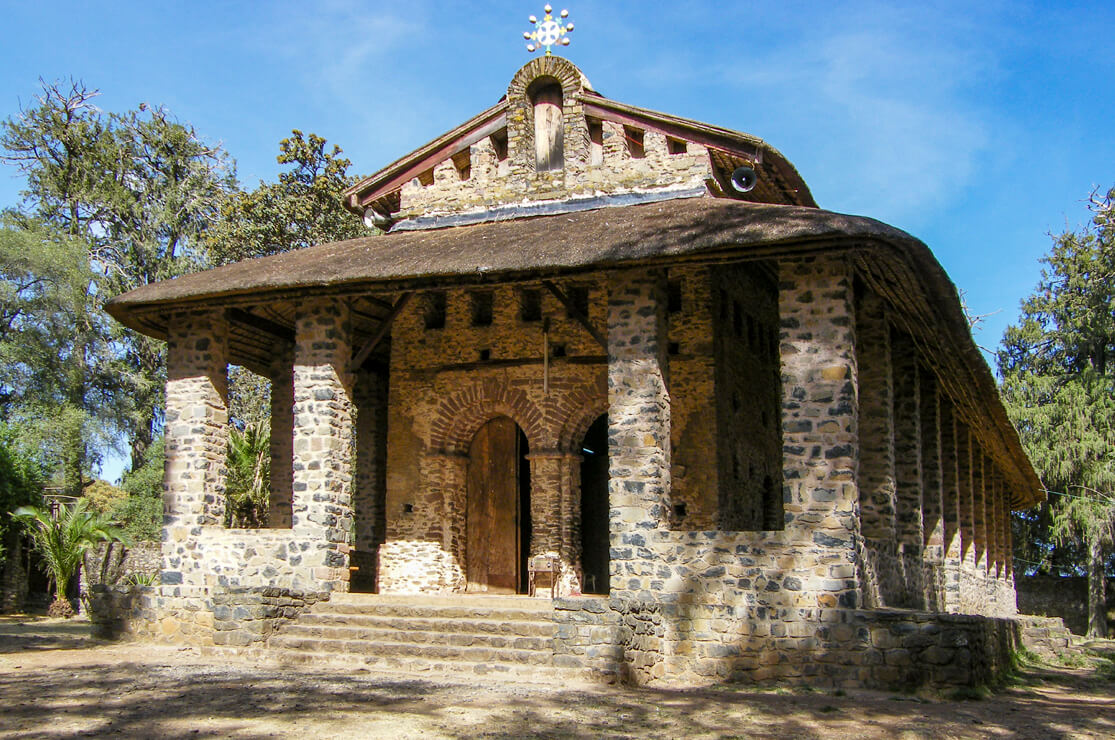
[(617, 364)]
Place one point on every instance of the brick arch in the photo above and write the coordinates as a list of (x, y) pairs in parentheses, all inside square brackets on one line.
[(520, 113), (571, 79), (579, 409), (460, 416)]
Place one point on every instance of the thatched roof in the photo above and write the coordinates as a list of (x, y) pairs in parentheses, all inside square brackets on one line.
[(894, 264)]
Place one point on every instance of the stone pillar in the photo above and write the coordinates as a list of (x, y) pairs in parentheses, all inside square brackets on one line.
[(638, 416), (572, 574), (819, 419), (196, 440), (322, 507), (932, 492), (965, 513), (950, 506), (282, 437), (981, 479), (877, 484), (546, 473), (907, 468)]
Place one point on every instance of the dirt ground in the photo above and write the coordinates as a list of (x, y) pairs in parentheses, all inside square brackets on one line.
[(57, 682)]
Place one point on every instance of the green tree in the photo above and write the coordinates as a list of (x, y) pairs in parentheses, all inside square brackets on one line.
[(62, 540), (59, 368), (1059, 386), (137, 189), (305, 207), (140, 515)]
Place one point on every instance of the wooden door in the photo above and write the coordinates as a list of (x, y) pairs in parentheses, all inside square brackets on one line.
[(493, 534)]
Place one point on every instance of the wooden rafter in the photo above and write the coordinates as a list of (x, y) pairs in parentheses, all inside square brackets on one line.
[(371, 344), (575, 313)]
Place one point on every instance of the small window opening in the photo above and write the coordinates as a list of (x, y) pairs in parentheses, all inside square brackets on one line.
[(433, 312), (499, 143), (557, 350), (408, 508), (426, 178), (680, 511), (674, 348), (530, 304), (463, 162), (485, 355), (673, 296), (634, 138), (578, 296), (481, 307), (549, 125), (596, 141), (675, 146)]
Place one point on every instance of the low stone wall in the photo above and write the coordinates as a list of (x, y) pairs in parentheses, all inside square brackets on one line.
[(119, 611), (244, 616), (193, 616), (1067, 598), (690, 645)]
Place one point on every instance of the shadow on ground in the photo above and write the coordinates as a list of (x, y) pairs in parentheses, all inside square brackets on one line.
[(57, 683)]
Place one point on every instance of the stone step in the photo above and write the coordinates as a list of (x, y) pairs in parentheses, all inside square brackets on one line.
[(392, 623), (468, 653), (406, 633), (387, 625), (424, 666), (433, 611)]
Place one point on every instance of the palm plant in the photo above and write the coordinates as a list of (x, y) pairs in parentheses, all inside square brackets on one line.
[(249, 476), (62, 541)]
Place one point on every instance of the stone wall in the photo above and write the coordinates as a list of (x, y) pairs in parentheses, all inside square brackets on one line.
[(747, 399), (687, 645), (1067, 598), (541, 368), (599, 157), (234, 617)]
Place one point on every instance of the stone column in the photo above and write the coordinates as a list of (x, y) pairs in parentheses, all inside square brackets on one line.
[(877, 486), (819, 419), (196, 440), (932, 492), (907, 468), (638, 417), (981, 480), (965, 512), (322, 507), (546, 472), (950, 506), (569, 542), (282, 437)]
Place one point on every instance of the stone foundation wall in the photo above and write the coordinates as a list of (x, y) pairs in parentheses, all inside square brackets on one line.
[(234, 617), (663, 643)]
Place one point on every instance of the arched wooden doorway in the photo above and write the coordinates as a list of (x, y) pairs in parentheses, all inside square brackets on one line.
[(595, 561), (497, 535)]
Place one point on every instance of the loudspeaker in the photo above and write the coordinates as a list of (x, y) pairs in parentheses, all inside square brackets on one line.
[(744, 179)]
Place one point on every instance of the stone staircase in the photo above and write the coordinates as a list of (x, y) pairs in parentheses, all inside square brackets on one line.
[(1048, 637), (495, 636)]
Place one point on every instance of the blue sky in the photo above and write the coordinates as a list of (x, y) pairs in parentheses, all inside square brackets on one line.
[(978, 127)]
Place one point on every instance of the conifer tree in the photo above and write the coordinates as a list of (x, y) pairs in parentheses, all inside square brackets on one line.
[(1058, 371)]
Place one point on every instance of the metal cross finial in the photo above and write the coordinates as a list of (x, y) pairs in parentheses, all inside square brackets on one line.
[(548, 31)]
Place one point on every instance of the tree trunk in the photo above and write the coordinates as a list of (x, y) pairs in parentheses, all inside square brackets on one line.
[(13, 584), (1097, 590)]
